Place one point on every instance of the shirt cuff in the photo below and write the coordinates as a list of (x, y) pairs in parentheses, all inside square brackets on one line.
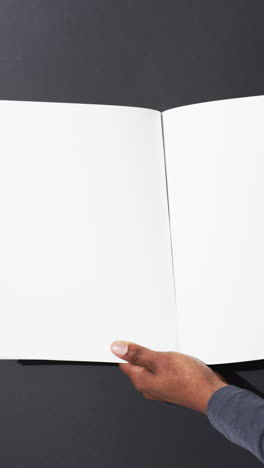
[(218, 402)]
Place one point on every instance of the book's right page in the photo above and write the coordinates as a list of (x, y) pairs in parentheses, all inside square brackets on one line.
[(215, 170)]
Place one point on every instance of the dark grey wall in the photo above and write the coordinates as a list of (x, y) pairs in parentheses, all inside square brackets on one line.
[(149, 53)]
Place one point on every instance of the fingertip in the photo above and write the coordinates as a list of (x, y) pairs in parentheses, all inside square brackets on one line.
[(119, 348)]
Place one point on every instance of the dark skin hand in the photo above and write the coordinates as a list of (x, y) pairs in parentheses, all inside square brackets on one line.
[(168, 376)]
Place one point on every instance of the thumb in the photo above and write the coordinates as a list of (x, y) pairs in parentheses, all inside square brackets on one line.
[(135, 354)]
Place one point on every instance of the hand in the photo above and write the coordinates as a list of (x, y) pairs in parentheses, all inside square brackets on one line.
[(168, 376)]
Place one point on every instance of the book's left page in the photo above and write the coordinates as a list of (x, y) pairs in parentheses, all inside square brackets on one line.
[(85, 256)]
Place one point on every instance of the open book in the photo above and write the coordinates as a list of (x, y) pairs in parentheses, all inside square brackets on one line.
[(127, 223)]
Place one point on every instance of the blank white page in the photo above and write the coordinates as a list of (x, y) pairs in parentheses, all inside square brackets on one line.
[(215, 164), (85, 253)]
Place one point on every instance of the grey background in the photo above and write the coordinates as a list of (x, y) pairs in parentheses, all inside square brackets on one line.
[(147, 53)]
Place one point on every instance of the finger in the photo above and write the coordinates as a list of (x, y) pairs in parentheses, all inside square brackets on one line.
[(150, 397), (127, 368), (139, 376), (135, 354)]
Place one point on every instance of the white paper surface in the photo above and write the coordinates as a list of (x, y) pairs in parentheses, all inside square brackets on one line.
[(84, 238), (215, 163)]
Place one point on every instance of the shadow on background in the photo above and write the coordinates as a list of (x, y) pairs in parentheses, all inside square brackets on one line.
[(229, 371)]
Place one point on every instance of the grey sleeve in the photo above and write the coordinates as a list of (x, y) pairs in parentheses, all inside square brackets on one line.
[(239, 415)]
